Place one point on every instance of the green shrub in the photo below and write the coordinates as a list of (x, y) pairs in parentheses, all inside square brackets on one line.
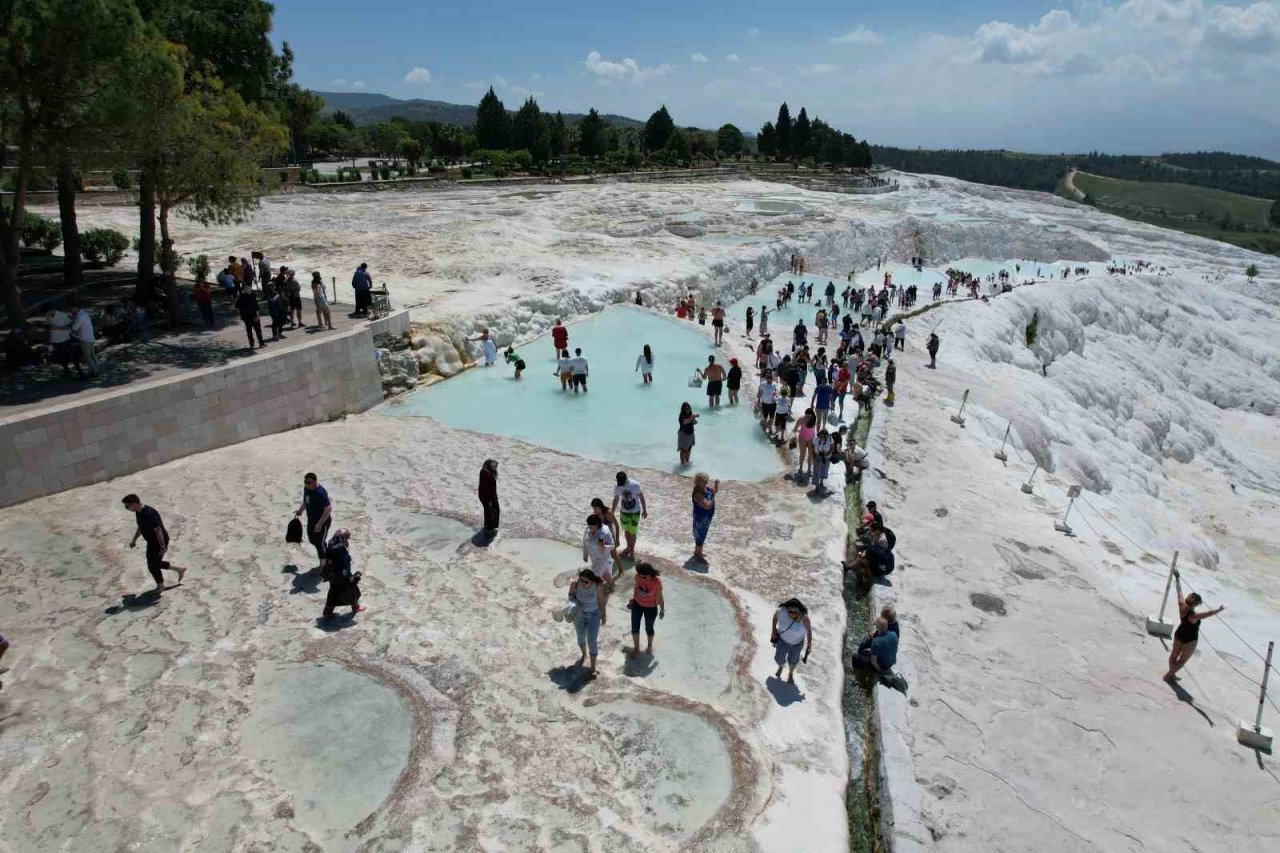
[(199, 267), (1251, 271), (1032, 329), (121, 178), (466, 171), (385, 173), (103, 246), (38, 231)]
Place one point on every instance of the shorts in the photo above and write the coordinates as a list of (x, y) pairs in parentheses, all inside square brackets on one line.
[(713, 388), (684, 440), (717, 323), (295, 303), (784, 652), (629, 521), (520, 365), (780, 419), (320, 301), (155, 558), (567, 377), (580, 380), (768, 410)]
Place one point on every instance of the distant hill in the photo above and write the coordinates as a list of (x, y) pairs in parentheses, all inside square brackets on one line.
[(371, 108)]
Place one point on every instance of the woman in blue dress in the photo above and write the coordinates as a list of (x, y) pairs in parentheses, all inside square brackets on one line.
[(704, 509)]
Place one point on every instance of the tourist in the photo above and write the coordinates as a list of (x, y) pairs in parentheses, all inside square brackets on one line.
[(247, 306), (344, 585), (822, 323), (644, 364), (823, 447), (4, 647), (203, 293), (513, 358), (1188, 632), (842, 386), (704, 510), (702, 316), (764, 321), (822, 397), (278, 313), (590, 614), (247, 275), (362, 284), (767, 400), (800, 335), (855, 459), (564, 369), (751, 319), (65, 351), (791, 633), (782, 413), (890, 377), (82, 333), (324, 319), (932, 347), (488, 492), (684, 435), (580, 372), (319, 510), (609, 519), (490, 348), (874, 511), (717, 323), (293, 293), (806, 430), (878, 653), (599, 549), (629, 497), (151, 528), (560, 336), (733, 381), (900, 336), (237, 274), (714, 374), (646, 604), (264, 266)]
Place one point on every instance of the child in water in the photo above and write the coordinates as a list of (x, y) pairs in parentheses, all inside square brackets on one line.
[(512, 358)]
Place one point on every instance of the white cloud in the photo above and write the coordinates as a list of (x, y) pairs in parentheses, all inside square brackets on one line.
[(859, 35), (626, 70), (753, 32), (732, 57), (1253, 28), (818, 69), (1056, 44), (700, 58), (343, 83), (418, 76)]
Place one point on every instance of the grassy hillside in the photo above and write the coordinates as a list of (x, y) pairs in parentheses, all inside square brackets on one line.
[(1174, 201)]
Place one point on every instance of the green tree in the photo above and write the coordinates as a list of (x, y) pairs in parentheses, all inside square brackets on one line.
[(767, 141), (800, 139), (344, 120), (200, 145), (386, 137), (558, 136), (299, 108), (525, 128), (729, 140), (226, 39), (492, 123), (412, 150), (328, 136), (658, 129), (58, 88), (678, 146), (783, 128), (1251, 272), (591, 133)]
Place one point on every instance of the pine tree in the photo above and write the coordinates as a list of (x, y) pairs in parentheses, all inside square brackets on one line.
[(658, 129), (767, 141), (591, 135), (559, 136), (783, 129), (801, 141), (492, 123), (525, 127)]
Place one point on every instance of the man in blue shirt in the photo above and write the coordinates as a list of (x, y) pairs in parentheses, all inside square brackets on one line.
[(316, 504), (878, 653), (362, 284)]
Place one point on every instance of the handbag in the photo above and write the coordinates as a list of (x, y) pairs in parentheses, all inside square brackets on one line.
[(695, 381)]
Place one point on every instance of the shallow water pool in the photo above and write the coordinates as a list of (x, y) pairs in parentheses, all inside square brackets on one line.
[(619, 419)]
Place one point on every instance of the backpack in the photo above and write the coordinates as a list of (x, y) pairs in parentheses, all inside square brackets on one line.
[(293, 533)]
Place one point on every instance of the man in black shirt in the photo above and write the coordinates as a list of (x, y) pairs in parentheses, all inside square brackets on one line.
[(151, 528), (250, 313)]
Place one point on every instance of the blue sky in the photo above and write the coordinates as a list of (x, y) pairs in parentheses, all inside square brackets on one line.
[(1121, 76)]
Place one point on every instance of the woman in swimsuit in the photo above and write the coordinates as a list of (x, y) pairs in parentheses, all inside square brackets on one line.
[(1188, 632), (806, 430)]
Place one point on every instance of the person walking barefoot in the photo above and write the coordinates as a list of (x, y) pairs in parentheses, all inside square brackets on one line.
[(644, 364), (646, 603), (585, 592), (790, 633), (628, 494), (704, 510), (151, 528), (1188, 631), (684, 435)]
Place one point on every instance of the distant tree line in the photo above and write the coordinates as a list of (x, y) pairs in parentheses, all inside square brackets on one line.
[(802, 140), (1236, 173)]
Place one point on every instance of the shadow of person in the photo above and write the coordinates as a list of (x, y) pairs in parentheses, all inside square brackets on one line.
[(570, 679), (305, 582), (1184, 696), (783, 692), (693, 564), (134, 603), (639, 665), (336, 622)]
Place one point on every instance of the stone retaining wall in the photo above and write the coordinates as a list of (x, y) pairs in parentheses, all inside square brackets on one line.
[(144, 424)]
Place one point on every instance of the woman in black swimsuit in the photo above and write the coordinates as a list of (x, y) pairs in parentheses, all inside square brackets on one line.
[(1188, 632)]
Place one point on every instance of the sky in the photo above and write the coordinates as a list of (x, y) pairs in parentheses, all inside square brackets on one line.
[(1120, 76)]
